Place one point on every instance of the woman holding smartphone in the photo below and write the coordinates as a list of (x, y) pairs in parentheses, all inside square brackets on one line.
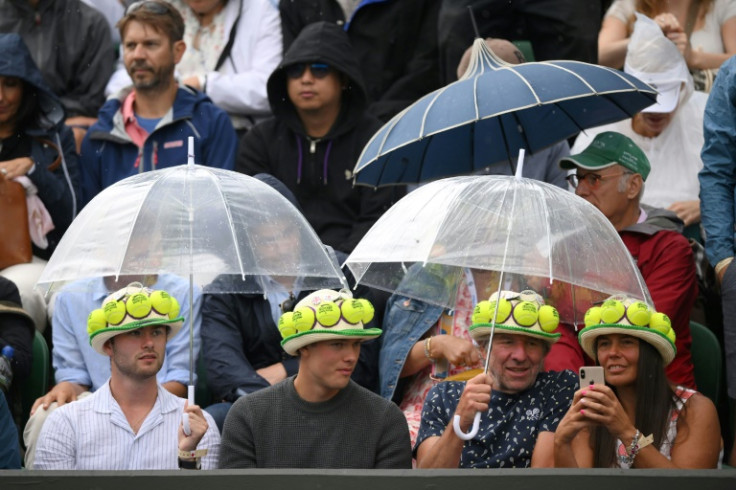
[(637, 419)]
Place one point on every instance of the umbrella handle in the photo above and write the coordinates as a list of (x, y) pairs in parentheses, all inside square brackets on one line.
[(185, 416), (185, 424), (473, 430)]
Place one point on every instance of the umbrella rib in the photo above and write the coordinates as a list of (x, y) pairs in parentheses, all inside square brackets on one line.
[(389, 126), (231, 226), (426, 111), (572, 118), (567, 70), (527, 145), (130, 233), (475, 98), (501, 275), (525, 81), (506, 145)]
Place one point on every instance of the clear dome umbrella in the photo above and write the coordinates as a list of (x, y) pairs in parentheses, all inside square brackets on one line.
[(526, 233), (199, 223)]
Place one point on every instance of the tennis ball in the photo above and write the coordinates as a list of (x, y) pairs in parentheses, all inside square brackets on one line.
[(504, 310), (286, 325), (638, 313), (592, 316), (368, 310), (138, 305), (612, 311), (175, 308), (328, 313), (352, 310), (161, 302), (671, 335), (549, 319), (482, 312), (660, 322), (96, 321), (525, 313), (303, 319), (114, 312)]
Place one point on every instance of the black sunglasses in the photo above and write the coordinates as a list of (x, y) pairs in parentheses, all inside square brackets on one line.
[(318, 70)]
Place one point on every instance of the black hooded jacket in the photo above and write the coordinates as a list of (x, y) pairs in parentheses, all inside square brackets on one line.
[(319, 171), (47, 141)]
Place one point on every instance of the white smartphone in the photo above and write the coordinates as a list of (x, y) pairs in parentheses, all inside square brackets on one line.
[(590, 375)]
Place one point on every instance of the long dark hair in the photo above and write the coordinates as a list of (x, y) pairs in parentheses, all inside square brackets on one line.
[(29, 112), (654, 401)]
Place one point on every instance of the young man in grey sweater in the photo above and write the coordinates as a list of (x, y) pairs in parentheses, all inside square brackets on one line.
[(318, 418)]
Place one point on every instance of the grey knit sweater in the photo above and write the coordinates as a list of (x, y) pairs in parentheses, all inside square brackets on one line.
[(275, 428)]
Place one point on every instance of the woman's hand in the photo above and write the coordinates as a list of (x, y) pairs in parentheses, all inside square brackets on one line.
[(9, 169), (574, 420), (601, 406), (687, 211), (668, 23), (458, 351)]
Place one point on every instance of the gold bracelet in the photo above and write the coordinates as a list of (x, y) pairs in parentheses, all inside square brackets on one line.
[(645, 441), (428, 349)]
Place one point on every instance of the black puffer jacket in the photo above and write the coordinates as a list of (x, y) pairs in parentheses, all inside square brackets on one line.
[(319, 171)]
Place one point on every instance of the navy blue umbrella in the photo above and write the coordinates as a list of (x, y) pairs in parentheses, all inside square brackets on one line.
[(492, 112)]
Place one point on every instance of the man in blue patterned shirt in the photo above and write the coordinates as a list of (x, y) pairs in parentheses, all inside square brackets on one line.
[(520, 406)]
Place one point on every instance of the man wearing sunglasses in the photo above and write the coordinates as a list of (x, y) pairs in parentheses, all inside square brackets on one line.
[(319, 128), (146, 126), (610, 174)]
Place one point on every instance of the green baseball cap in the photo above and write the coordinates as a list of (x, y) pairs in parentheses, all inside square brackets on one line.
[(608, 149)]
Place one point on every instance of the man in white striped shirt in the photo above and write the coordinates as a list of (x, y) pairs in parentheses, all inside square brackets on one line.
[(131, 422)]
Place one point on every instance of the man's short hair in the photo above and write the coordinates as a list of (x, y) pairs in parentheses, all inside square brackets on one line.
[(160, 15)]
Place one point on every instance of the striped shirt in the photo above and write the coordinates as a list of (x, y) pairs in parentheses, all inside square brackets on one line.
[(93, 434)]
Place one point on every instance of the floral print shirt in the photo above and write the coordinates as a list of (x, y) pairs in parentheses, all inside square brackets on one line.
[(508, 431)]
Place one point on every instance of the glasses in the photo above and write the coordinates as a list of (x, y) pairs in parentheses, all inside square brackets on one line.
[(592, 180), (158, 8), (318, 70)]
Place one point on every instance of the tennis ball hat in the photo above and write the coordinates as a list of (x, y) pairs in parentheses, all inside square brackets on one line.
[(326, 315), (130, 308), (627, 316), (522, 313)]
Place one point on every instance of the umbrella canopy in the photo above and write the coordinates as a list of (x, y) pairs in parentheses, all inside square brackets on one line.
[(492, 112), (197, 222), (538, 235)]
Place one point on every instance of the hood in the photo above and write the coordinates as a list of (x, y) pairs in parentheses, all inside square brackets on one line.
[(16, 61), (322, 42), (658, 219), (280, 187), (655, 60)]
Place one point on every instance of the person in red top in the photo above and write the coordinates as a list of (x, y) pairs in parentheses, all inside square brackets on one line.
[(610, 174)]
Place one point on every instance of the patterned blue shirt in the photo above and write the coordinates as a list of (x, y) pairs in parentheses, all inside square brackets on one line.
[(508, 431)]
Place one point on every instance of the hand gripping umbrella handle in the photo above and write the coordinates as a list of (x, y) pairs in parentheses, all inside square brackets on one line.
[(473, 430)]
